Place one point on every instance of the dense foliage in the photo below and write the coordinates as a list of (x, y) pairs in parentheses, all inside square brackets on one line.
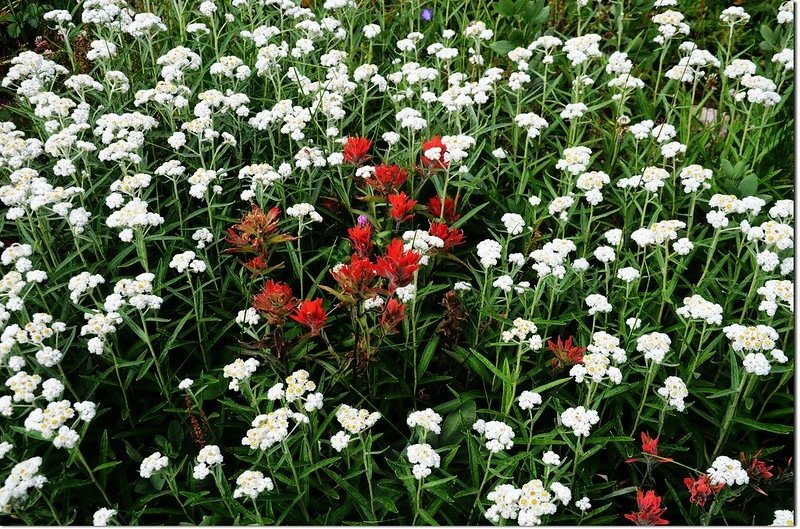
[(353, 261)]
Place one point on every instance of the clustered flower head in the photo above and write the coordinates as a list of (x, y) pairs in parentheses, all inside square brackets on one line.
[(498, 435)]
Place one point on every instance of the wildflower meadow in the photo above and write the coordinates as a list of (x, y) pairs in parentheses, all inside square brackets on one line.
[(397, 262)]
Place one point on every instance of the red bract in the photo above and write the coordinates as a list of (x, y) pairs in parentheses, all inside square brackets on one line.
[(757, 470), (451, 237), (356, 150), (398, 265), (387, 178), (401, 207), (701, 489), (393, 314), (274, 302), (437, 160), (311, 314), (649, 445), (357, 278), (566, 353), (256, 234), (650, 509), (361, 239), (446, 212)]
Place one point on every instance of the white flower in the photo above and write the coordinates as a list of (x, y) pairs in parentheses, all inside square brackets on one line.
[(102, 516), (426, 419), (528, 399), (186, 383), (583, 504), (152, 464), (499, 436), (339, 441), (251, 483), (580, 420), (727, 471), (674, 391), (551, 458), (423, 457), (783, 518), (513, 222)]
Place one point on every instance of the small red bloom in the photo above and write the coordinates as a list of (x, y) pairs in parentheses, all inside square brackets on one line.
[(356, 150), (756, 469), (401, 207), (361, 239), (451, 237), (357, 278), (274, 302), (650, 451), (311, 314), (436, 150), (566, 353), (701, 489), (448, 212), (256, 264), (649, 445), (650, 509), (398, 265), (387, 178), (393, 314)]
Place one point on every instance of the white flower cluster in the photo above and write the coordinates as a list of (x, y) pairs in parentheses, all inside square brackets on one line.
[(427, 419), (697, 307), (23, 477), (751, 338), (523, 331), (580, 420), (674, 391), (776, 292), (528, 399), (727, 471), (208, 458), (549, 259), (654, 346), (186, 261), (152, 464), (597, 367), (251, 483), (423, 457), (499, 436), (239, 370)]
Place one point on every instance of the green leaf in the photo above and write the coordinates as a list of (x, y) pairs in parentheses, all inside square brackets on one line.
[(765, 427)]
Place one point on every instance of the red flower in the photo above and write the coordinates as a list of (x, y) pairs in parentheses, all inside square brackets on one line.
[(356, 150), (649, 445), (311, 314), (650, 451), (393, 314), (274, 302), (356, 278), (449, 214), (387, 178), (451, 237), (566, 353), (401, 207), (437, 160), (701, 489), (650, 509), (361, 239), (256, 234), (756, 469), (398, 265)]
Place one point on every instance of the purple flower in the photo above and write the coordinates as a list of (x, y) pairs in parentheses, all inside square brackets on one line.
[(363, 220), (426, 14)]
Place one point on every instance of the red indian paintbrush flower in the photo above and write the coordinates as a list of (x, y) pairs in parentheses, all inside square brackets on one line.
[(398, 265), (356, 150), (361, 239), (402, 207), (650, 451), (311, 314), (451, 237), (650, 509), (274, 302), (433, 154), (701, 489), (757, 470), (566, 353), (387, 179), (356, 278), (393, 314), (446, 211)]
